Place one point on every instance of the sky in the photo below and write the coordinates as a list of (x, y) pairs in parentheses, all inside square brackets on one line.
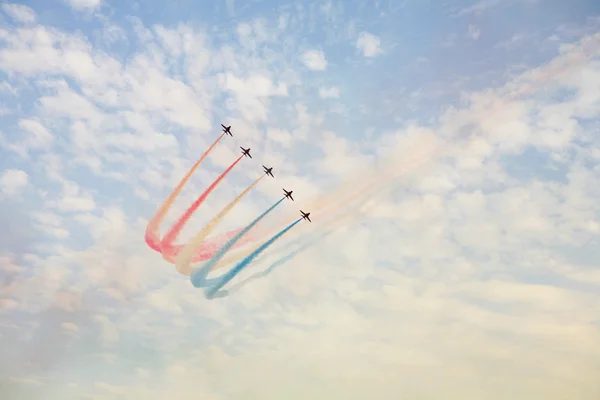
[(469, 271)]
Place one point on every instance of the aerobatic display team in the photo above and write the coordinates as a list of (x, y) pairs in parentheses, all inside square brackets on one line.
[(212, 251)]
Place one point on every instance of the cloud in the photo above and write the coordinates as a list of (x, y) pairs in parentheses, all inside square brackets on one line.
[(19, 12), (481, 254), (114, 34), (368, 44), (329, 93), (36, 137), (478, 7), (251, 94), (69, 326), (473, 32), (84, 5), (314, 60), (13, 181)]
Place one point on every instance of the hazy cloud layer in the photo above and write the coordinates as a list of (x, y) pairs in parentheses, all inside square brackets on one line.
[(474, 275)]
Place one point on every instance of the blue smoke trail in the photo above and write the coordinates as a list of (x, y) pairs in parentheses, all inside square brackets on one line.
[(213, 291), (303, 246), (275, 264), (198, 277)]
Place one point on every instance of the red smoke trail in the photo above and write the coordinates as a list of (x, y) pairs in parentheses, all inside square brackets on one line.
[(166, 245), (153, 229)]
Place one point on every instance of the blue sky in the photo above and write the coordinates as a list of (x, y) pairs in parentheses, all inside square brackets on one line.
[(473, 273)]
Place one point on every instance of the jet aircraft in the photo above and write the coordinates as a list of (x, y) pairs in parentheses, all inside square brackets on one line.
[(305, 215), (246, 152), (288, 194), (226, 129), (268, 171)]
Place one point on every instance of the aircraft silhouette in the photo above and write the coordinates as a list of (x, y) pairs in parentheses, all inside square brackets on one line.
[(305, 215), (268, 171), (288, 194), (246, 152), (226, 129)]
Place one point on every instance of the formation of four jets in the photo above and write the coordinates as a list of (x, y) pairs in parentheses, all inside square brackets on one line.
[(268, 171)]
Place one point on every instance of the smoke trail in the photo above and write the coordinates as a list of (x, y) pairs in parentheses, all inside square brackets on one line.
[(324, 206), (340, 209), (198, 276), (166, 244), (330, 204), (513, 89), (337, 202), (276, 264), (337, 218), (205, 250), (209, 248), (332, 225), (198, 240), (213, 290), (153, 229)]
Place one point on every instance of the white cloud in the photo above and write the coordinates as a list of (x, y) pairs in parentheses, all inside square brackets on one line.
[(51, 224), (8, 265), (74, 199), (163, 301), (8, 304), (7, 87), (280, 136), (252, 94), (314, 60), (84, 5), (13, 181), (478, 7), (448, 288), (114, 34), (108, 331), (244, 30), (329, 93), (36, 137), (368, 44), (70, 327), (19, 12), (473, 32), (27, 380)]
